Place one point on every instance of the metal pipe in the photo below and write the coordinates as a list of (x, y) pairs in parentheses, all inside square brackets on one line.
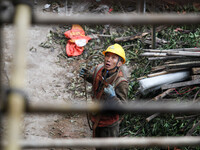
[(140, 6), (112, 142), (138, 19), (153, 37), (15, 100), (133, 107)]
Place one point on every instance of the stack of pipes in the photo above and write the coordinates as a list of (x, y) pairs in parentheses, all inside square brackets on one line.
[(181, 68)]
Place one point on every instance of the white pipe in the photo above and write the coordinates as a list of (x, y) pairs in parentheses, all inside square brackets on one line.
[(157, 81)]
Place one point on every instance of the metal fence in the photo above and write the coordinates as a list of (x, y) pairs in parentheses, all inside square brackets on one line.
[(16, 105)]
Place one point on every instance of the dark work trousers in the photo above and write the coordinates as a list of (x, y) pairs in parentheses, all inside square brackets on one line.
[(110, 131)]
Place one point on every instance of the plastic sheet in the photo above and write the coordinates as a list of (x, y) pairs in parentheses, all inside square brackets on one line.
[(157, 81)]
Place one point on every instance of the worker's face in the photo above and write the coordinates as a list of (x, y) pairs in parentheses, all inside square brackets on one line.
[(110, 61)]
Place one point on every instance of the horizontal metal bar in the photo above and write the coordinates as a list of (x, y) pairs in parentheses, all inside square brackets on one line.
[(112, 142), (132, 107), (136, 19)]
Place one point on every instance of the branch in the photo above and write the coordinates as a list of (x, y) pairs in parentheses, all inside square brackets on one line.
[(148, 119), (193, 129)]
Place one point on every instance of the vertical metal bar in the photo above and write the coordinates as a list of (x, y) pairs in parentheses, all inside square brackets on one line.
[(144, 9), (153, 31), (16, 101), (140, 6), (153, 36)]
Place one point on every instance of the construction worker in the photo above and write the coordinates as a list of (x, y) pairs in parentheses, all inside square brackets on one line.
[(110, 88)]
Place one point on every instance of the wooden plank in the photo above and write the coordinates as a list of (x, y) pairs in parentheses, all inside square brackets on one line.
[(157, 68), (196, 70), (153, 54), (181, 84), (184, 65), (176, 69), (173, 50), (159, 97), (194, 77), (163, 54), (161, 73), (164, 58), (157, 74), (182, 53), (162, 95)]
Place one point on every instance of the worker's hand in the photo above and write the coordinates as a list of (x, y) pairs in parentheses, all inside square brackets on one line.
[(109, 91), (83, 73)]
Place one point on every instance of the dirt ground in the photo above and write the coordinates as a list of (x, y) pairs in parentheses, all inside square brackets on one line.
[(47, 81)]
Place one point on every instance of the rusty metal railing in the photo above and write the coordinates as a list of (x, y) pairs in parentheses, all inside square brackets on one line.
[(138, 19), (112, 142), (132, 107), (16, 103)]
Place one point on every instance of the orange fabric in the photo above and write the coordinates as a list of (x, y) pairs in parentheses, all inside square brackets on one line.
[(74, 34)]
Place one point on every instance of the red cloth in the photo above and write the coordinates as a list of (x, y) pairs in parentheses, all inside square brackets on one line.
[(76, 33)]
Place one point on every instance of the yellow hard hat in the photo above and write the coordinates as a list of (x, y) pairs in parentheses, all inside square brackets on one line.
[(116, 49)]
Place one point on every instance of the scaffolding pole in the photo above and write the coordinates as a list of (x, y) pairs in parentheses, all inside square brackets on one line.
[(16, 101)]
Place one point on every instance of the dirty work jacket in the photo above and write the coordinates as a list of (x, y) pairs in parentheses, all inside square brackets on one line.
[(121, 89)]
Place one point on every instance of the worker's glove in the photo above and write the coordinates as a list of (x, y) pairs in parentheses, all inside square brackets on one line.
[(83, 73), (109, 91)]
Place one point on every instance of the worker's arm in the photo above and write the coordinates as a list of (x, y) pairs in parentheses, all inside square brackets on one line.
[(117, 95), (122, 91)]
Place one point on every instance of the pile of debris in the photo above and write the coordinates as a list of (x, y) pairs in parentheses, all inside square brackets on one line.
[(181, 67)]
